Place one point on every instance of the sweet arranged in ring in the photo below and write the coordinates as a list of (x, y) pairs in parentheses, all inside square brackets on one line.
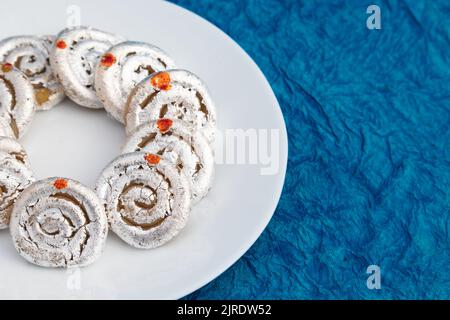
[(145, 195), (182, 145), (146, 198), (17, 102), (30, 55), (15, 176), (175, 94), (122, 68), (58, 223), (74, 59)]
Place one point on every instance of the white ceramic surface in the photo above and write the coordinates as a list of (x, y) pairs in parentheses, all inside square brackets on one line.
[(76, 142)]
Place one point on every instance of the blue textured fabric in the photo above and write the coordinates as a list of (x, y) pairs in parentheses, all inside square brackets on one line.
[(368, 181)]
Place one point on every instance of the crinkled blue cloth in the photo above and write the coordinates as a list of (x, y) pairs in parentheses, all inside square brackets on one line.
[(368, 181)]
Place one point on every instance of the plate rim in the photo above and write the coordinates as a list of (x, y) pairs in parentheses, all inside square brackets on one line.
[(284, 155), (263, 216)]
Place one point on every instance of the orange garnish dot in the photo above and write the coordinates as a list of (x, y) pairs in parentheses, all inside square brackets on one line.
[(108, 60), (60, 184), (161, 81), (164, 124), (7, 67), (152, 158), (61, 44)]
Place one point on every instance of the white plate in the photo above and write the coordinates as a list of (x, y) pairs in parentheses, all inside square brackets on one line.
[(75, 142)]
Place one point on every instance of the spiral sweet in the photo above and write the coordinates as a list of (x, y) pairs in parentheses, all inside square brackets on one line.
[(175, 141), (74, 59), (58, 223), (146, 199), (30, 54), (122, 68), (15, 176), (145, 194), (17, 102), (174, 94)]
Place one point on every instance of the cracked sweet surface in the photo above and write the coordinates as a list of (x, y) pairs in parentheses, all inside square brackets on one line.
[(58, 227), (127, 64), (30, 54), (186, 99), (74, 59), (17, 102), (144, 196), (147, 204), (181, 145), (15, 176), (13, 148)]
